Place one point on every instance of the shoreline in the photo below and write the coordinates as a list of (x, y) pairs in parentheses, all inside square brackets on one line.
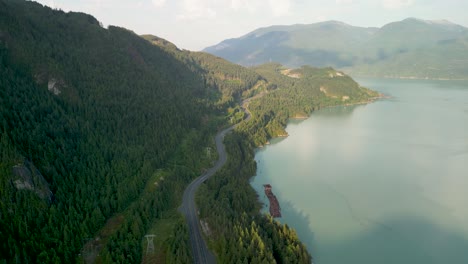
[(370, 100), (273, 212), (301, 118)]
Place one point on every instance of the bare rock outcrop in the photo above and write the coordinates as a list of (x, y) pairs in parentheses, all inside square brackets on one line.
[(27, 177)]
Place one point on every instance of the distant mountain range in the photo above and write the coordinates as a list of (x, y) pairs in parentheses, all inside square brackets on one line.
[(411, 48)]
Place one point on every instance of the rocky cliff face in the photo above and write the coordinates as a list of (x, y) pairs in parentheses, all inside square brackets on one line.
[(27, 177)]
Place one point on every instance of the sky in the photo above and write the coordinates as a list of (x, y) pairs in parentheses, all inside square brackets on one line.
[(197, 24)]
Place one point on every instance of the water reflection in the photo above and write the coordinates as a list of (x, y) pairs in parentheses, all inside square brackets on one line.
[(341, 112), (299, 220)]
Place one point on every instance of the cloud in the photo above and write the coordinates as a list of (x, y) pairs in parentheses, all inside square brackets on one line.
[(280, 7), (158, 3), (343, 2), (249, 5), (320, 18), (276, 7), (396, 4), (238, 4), (51, 4), (194, 9)]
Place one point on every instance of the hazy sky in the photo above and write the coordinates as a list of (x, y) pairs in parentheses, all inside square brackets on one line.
[(196, 24)]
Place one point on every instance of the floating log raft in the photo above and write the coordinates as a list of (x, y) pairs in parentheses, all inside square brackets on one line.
[(275, 209)]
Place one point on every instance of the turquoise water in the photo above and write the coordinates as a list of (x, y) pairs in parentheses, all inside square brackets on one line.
[(383, 183)]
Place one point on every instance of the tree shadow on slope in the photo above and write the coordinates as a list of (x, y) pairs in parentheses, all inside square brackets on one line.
[(299, 221)]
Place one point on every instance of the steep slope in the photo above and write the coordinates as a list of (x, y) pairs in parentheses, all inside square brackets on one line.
[(230, 79), (100, 132), (415, 48), (323, 43), (438, 47), (413, 33), (97, 111)]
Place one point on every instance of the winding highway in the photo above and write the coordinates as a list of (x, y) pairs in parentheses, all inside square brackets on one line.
[(200, 251)]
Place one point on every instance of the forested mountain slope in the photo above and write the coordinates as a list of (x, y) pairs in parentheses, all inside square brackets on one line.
[(230, 79), (97, 111), (411, 48)]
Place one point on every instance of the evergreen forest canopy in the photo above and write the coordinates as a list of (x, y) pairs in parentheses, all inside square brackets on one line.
[(411, 48), (101, 130)]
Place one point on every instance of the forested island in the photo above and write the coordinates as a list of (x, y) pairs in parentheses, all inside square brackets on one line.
[(101, 130)]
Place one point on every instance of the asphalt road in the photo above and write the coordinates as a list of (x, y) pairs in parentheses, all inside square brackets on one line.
[(200, 251)]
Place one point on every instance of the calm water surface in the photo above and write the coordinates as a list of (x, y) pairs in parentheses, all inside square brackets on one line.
[(383, 183)]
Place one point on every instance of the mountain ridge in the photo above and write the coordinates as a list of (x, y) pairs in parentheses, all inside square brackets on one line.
[(437, 46)]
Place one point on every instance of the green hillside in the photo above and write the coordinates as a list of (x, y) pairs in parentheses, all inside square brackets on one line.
[(98, 112), (296, 93), (411, 48)]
